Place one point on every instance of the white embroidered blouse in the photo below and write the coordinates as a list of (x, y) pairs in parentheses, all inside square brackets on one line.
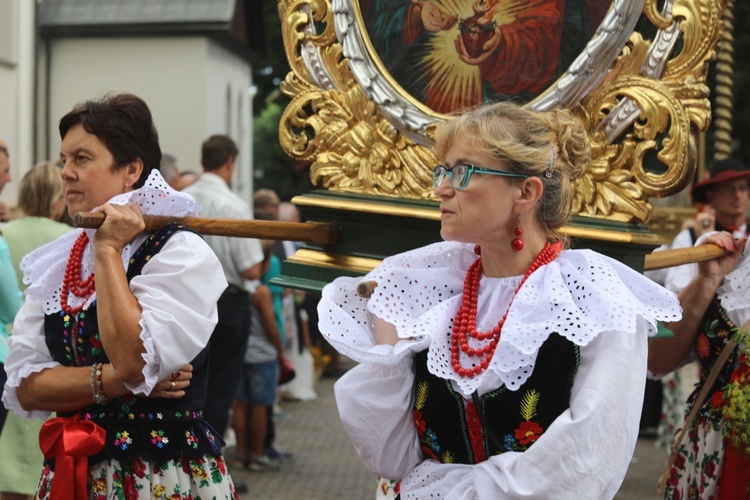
[(596, 302), (177, 291)]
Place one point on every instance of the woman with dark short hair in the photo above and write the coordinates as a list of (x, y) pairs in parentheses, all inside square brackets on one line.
[(113, 334)]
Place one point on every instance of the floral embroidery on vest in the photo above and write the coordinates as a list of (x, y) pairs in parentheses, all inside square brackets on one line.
[(449, 425), (427, 437), (527, 431)]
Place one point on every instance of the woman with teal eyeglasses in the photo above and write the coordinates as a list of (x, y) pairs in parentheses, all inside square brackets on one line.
[(498, 364)]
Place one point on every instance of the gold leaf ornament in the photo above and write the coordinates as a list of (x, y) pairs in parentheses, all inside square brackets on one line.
[(364, 134)]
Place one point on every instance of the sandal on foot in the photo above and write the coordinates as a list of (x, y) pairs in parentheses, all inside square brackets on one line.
[(261, 463), (240, 462)]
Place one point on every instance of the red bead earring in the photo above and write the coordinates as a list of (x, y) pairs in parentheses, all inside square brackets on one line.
[(477, 250), (517, 243)]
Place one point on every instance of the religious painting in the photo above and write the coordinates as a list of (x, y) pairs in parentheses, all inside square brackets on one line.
[(371, 80), (453, 54)]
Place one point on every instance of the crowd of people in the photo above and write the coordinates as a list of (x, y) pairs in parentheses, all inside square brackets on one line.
[(498, 363)]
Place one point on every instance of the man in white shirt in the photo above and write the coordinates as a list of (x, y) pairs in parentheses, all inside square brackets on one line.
[(241, 259), (726, 195)]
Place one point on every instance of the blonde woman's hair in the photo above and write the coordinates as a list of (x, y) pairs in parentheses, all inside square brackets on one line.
[(40, 187), (522, 139)]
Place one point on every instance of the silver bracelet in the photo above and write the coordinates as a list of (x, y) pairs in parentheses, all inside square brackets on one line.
[(96, 385)]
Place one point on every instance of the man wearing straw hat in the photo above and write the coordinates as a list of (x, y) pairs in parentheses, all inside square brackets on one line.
[(726, 195)]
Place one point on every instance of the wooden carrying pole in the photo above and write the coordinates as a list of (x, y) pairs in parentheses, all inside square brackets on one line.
[(656, 260), (320, 233), (679, 256), (323, 233)]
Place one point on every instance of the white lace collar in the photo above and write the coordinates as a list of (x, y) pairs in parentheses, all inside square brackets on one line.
[(579, 295), (44, 268), (734, 292)]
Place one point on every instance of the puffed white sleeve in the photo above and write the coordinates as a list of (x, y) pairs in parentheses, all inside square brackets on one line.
[(27, 354), (586, 451), (177, 291), (375, 402)]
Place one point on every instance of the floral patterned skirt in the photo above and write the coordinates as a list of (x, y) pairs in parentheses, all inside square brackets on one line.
[(205, 478), (698, 465)]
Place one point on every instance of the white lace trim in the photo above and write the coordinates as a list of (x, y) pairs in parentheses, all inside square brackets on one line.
[(153, 364), (10, 397), (734, 292), (44, 268), (580, 295)]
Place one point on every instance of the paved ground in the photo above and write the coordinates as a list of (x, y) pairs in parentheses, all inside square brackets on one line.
[(325, 465)]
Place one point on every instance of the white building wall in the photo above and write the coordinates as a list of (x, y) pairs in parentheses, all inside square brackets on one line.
[(17, 45), (167, 73), (228, 79)]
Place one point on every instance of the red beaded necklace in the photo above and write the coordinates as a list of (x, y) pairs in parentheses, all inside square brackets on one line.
[(465, 323), (72, 281)]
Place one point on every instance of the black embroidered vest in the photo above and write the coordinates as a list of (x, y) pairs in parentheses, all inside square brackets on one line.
[(155, 428), (516, 418)]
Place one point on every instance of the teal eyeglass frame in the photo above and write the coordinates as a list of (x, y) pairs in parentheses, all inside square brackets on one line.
[(440, 171)]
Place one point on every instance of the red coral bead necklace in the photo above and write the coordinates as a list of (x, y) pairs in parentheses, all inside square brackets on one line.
[(72, 281), (465, 322)]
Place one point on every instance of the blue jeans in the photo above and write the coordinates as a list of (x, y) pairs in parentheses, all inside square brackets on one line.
[(262, 379), (227, 352)]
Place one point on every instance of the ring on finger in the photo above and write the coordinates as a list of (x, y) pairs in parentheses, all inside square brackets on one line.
[(172, 386)]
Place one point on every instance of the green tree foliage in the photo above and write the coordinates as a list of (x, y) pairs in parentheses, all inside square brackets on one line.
[(274, 169)]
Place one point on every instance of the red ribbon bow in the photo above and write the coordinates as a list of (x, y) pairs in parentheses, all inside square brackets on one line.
[(70, 441)]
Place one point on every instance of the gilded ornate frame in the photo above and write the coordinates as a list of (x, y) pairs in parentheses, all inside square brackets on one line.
[(363, 134)]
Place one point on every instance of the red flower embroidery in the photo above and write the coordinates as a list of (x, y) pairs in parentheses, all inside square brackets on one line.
[(43, 488), (673, 479), (421, 424), (702, 346), (128, 488), (139, 468), (717, 399), (528, 432), (222, 467), (741, 374), (710, 469), (679, 463)]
